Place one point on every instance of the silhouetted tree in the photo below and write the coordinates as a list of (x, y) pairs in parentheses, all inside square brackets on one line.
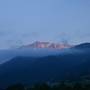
[(87, 87), (41, 87), (16, 87), (55, 87), (77, 86), (63, 86)]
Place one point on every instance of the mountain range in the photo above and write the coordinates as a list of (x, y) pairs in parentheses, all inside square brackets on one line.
[(71, 64), (39, 44)]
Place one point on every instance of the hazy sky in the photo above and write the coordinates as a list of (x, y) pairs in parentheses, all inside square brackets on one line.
[(25, 21)]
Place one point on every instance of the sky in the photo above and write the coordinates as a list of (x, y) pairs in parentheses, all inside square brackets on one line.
[(26, 21)]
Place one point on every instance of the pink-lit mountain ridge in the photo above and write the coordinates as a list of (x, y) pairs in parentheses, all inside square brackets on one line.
[(39, 44)]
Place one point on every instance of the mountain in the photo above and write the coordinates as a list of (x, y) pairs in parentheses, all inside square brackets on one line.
[(8, 54), (39, 44), (2, 89), (30, 70), (83, 46), (36, 49)]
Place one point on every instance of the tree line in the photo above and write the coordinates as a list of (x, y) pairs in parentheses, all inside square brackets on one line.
[(45, 86)]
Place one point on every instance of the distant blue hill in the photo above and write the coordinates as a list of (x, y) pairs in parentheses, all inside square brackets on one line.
[(52, 68), (2, 89), (82, 46)]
